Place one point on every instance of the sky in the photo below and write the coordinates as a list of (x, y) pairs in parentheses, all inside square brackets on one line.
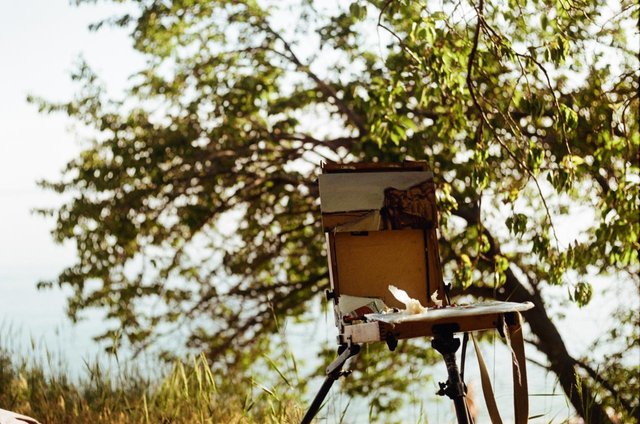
[(40, 40)]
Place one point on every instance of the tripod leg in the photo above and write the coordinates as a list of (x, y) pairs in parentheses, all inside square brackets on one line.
[(454, 388), (334, 371), (457, 392), (317, 401)]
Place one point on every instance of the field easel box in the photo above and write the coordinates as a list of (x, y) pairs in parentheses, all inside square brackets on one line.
[(381, 227)]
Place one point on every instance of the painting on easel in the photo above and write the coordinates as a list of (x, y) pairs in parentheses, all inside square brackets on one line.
[(375, 201)]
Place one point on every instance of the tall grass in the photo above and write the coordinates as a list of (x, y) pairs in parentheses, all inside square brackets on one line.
[(189, 392)]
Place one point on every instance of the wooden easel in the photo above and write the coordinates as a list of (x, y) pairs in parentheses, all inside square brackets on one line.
[(381, 226)]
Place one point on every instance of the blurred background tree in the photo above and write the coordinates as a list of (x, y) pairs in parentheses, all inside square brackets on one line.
[(194, 206)]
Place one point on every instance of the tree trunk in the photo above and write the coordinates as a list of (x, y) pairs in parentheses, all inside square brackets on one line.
[(550, 342), (552, 345)]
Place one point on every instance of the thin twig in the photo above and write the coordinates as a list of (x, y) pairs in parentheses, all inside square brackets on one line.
[(397, 37), (553, 93)]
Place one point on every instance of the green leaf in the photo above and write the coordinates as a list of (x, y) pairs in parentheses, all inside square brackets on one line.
[(582, 293), (544, 21), (517, 223), (569, 116), (571, 162), (535, 156), (358, 11), (501, 263), (408, 123), (464, 273)]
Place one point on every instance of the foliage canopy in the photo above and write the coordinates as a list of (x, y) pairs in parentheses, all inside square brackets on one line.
[(194, 208)]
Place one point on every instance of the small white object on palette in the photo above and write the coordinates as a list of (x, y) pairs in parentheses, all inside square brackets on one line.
[(413, 306)]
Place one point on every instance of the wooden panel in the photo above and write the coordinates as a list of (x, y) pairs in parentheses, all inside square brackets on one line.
[(366, 264), (436, 281), (408, 330)]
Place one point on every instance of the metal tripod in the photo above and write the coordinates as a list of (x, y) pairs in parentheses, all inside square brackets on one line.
[(454, 387)]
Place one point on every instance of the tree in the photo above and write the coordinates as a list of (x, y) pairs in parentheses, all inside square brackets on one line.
[(194, 209)]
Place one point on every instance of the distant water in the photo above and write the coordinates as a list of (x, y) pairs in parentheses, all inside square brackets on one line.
[(33, 321)]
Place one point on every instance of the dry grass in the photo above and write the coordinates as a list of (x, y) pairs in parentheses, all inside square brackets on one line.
[(188, 393)]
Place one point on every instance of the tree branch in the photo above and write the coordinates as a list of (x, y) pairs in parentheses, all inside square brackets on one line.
[(325, 88), (472, 55)]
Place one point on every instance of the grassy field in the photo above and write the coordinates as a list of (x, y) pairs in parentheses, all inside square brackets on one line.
[(186, 393)]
